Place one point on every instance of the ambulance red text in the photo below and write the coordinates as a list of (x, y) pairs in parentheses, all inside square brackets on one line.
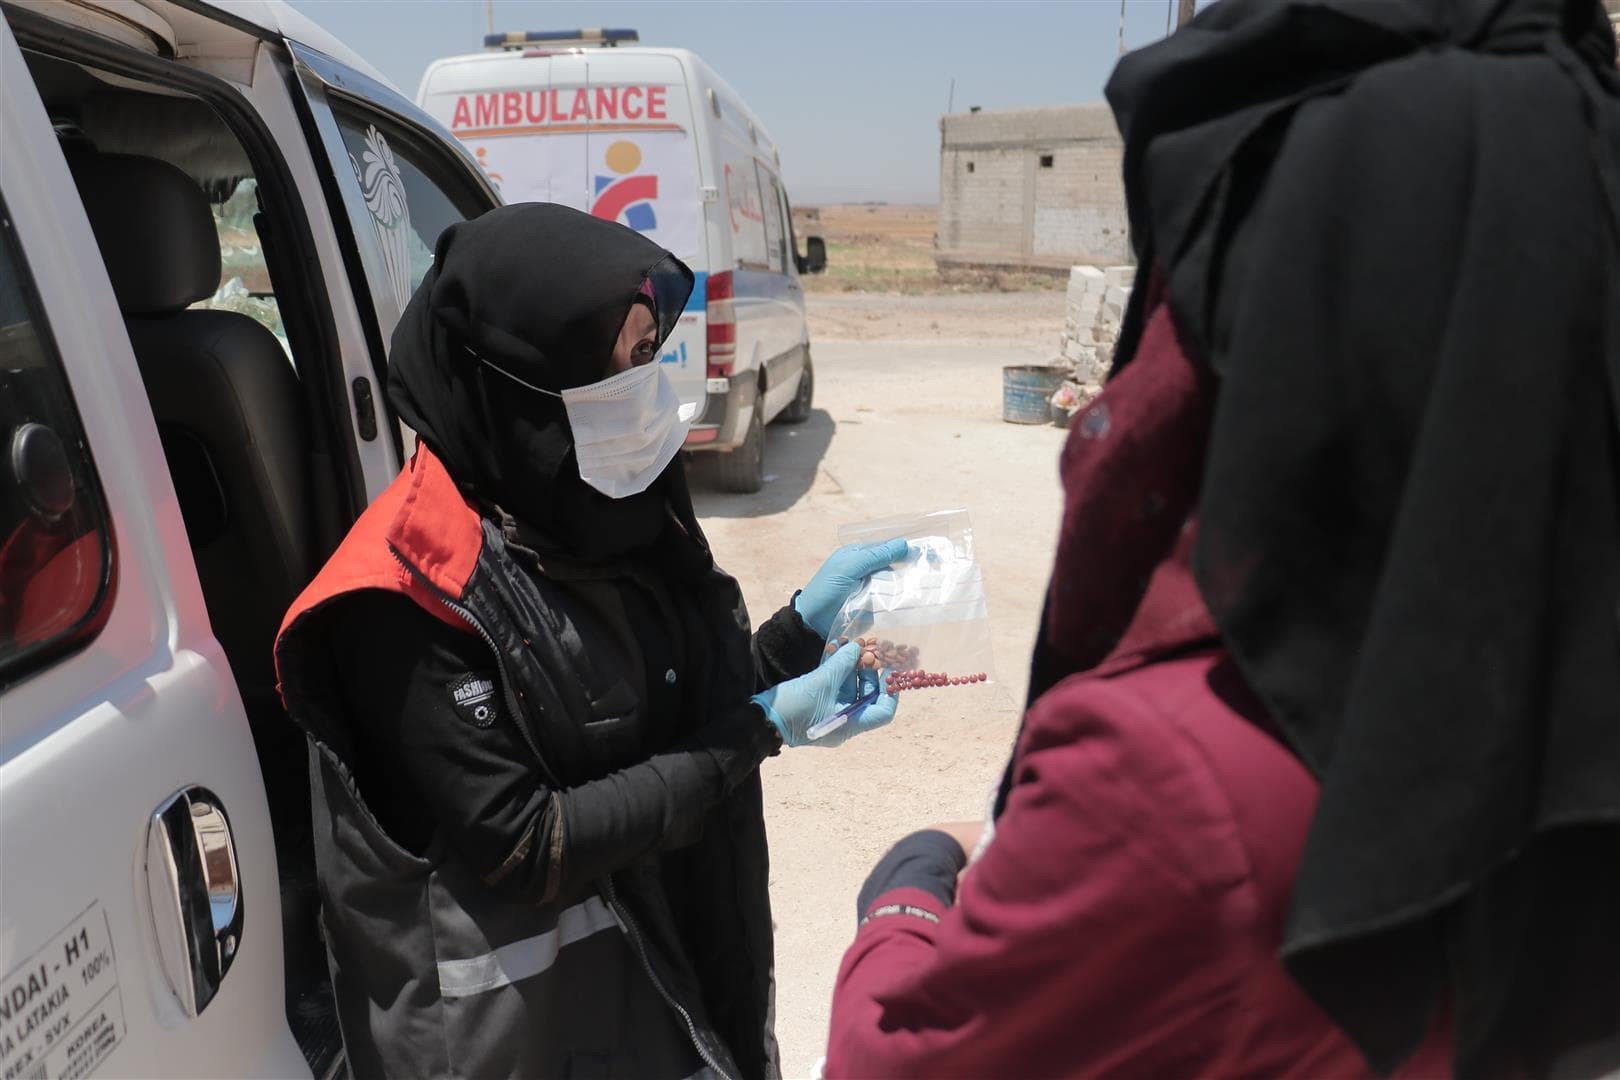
[(511, 108)]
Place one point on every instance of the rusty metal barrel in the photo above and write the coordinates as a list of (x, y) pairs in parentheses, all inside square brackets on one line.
[(1026, 392)]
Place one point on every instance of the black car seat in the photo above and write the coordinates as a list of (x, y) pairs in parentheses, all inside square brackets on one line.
[(230, 414), (227, 401)]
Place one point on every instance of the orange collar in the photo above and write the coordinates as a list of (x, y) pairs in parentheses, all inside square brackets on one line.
[(436, 530)]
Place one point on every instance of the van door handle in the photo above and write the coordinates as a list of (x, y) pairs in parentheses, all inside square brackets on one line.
[(196, 891)]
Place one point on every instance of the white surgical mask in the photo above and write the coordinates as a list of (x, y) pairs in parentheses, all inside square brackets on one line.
[(627, 427)]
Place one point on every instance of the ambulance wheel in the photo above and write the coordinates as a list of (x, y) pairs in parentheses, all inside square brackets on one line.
[(798, 410), (742, 470)]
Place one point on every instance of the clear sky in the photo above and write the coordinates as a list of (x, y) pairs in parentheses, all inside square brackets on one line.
[(852, 90)]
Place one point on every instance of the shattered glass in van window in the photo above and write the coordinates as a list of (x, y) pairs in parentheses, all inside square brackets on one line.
[(244, 285)]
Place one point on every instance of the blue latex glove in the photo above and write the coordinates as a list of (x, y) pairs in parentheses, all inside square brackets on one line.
[(795, 706), (844, 571)]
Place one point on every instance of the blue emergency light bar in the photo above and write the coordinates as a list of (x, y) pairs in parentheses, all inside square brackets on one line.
[(517, 39)]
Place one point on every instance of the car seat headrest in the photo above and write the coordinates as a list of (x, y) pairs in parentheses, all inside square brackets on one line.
[(155, 230)]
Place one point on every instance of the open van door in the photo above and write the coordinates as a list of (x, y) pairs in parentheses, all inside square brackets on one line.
[(400, 181), (140, 929)]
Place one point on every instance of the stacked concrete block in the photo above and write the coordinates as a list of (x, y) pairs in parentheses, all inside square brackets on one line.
[(1081, 309), (1093, 312)]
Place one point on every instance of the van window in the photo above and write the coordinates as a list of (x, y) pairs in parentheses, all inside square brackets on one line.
[(775, 255), (747, 211), (244, 279), (411, 194), (55, 555)]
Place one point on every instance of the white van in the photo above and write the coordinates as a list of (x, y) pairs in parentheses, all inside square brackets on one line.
[(210, 219), (653, 138)]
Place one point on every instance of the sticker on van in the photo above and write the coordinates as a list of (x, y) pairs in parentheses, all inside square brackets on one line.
[(61, 1012), (614, 151)]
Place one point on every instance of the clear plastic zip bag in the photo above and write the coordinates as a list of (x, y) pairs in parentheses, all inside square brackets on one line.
[(924, 622)]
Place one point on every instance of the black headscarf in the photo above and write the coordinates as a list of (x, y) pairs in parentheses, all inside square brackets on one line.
[(1390, 228), (541, 291)]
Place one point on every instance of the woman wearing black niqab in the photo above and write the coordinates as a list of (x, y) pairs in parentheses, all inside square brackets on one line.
[(1321, 770), (1391, 229), (535, 708)]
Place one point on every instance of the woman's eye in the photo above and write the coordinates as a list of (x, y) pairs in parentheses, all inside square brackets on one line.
[(644, 351)]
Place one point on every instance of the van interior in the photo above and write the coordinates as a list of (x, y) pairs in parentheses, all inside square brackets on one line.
[(230, 340)]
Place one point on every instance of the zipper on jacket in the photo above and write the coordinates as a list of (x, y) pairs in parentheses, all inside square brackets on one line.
[(623, 915), (477, 627), (634, 933)]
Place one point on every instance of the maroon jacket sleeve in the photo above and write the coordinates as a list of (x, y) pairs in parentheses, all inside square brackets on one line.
[(1087, 938)]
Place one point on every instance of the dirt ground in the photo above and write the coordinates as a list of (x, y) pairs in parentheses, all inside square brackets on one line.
[(1031, 320), (907, 417), (890, 248)]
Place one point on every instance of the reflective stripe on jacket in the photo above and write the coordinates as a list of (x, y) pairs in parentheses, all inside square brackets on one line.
[(438, 974)]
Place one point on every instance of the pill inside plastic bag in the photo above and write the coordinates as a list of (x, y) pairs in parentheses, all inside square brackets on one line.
[(925, 621)]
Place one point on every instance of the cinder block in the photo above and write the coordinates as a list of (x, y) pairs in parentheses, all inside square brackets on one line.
[(1084, 361), (1121, 277), (1112, 312)]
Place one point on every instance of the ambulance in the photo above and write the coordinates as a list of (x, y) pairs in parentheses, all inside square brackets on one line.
[(654, 139)]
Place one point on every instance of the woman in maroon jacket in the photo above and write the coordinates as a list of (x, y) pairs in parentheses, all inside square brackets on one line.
[(1125, 919), (1321, 773)]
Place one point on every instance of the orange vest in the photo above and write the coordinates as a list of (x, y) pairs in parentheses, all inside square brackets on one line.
[(421, 537)]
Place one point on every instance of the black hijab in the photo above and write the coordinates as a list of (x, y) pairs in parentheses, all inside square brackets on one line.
[(541, 292), (1390, 229)]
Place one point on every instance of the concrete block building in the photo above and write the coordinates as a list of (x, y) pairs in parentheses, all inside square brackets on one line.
[(1031, 188), (1037, 188)]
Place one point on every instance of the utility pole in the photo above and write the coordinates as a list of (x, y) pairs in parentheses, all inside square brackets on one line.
[(1122, 27), (1188, 9), (489, 16)]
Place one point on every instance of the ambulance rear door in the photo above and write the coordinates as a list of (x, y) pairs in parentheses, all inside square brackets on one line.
[(643, 173), (609, 133)]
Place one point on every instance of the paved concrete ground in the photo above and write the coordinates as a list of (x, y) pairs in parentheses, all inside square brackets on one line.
[(898, 426)]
